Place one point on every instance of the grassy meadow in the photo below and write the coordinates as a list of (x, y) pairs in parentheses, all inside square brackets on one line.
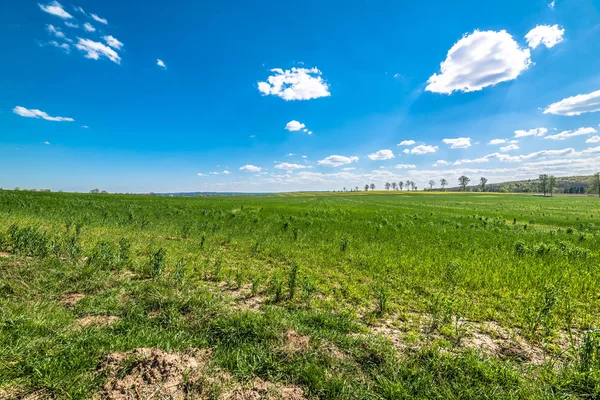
[(344, 295)]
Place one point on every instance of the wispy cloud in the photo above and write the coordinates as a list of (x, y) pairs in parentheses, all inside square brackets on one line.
[(98, 19), (89, 27), (33, 113), (576, 105), (63, 46), (161, 64), (458, 143), (569, 134), (421, 149), (55, 31), (290, 167), (531, 132), (113, 42), (56, 9), (497, 141), (336, 161), (406, 143), (406, 166), (250, 168), (95, 50)]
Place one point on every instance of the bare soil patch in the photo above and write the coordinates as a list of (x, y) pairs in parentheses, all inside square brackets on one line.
[(150, 373), (96, 320), (243, 299), (71, 299), (4, 255), (295, 342)]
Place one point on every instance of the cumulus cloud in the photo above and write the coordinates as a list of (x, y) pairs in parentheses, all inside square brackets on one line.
[(422, 149), (71, 25), (89, 27), (226, 172), (510, 147), (382, 155), (520, 158), (295, 84), (161, 63), (593, 139), (548, 35), (55, 31), (406, 166), (25, 112), (569, 134), (95, 50), (576, 105), (441, 163), (55, 8), (497, 141), (531, 132), (336, 161), (98, 19), (290, 167), (294, 126), (478, 60), (113, 42), (250, 168), (406, 143), (458, 143)]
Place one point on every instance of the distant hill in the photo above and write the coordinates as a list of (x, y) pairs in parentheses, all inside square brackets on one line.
[(565, 184)]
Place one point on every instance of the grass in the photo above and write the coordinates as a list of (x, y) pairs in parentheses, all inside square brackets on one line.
[(430, 268)]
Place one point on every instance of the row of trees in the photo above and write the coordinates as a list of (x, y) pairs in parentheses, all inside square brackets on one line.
[(463, 182)]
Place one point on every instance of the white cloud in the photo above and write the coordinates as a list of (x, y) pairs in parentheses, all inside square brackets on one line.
[(85, 126), (226, 172), (24, 112), (55, 8), (458, 143), (497, 141), (291, 154), (552, 4), (71, 25), (478, 60), (508, 158), (161, 63), (113, 42), (95, 50), (336, 161), (213, 173), (250, 168), (98, 19), (348, 169), (406, 166), (593, 139), (422, 149), (382, 155), (510, 147), (201, 174), (295, 84), (63, 46), (55, 31), (576, 105), (548, 35), (89, 27), (441, 162), (531, 132), (294, 126), (406, 143), (569, 134), (290, 167), (304, 156)]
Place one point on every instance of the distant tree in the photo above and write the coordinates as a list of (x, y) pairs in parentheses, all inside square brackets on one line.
[(401, 185), (482, 182), (463, 181), (95, 191), (544, 183), (407, 184), (596, 183), (367, 187), (431, 183), (443, 184), (17, 188), (394, 185), (551, 184), (356, 189), (413, 186), (388, 186), (104, 192), (372, 186)]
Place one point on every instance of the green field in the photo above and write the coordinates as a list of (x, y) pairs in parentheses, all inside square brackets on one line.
[(329, 296)]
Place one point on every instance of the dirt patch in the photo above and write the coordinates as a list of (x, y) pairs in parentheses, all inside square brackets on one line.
[(244, 299), (150, 373), (70, 299), (97, 320), (295, 342), (12, 392), (262, 390), (4, 255), (153, 374)]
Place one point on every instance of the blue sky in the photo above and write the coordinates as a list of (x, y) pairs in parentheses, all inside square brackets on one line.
[(268, 96)]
